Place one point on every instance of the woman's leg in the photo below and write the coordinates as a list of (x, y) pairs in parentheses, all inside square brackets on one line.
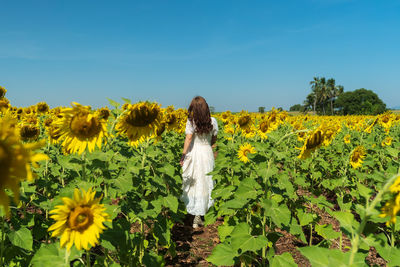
[(197, 221)]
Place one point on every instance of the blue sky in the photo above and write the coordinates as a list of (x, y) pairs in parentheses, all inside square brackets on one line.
[(237, 54)]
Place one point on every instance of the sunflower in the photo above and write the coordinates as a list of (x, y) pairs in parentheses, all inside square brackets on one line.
[(329, 135), (29, 132), (56, 112), (156, 136), (273, 119), (386, 120), (53, 131), (103, 113), (356, 156), (313, 141), (226, 117), (395, 187), (244, 150), (282, 116), (30, 119), (182, 116), (80, 220), (42, 108), (47, 122), (392, 207), (346, 138), (139, 120), (249, 132), (387, 141), (244, 120), (15, 160), (3, 92), (4, 104), (19, 111), (263, 129), (126, 106), (28, 111), (350, 124), (80, 128), (229, 129), (171, 121), (330, 130)]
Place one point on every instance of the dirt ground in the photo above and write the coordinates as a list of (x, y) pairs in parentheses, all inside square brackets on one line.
[(195, 245)]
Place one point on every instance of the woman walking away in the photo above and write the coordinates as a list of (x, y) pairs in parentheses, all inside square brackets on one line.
[(198, 159)]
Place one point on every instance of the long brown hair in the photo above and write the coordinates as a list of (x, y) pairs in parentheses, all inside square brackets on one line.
[(199, 115)]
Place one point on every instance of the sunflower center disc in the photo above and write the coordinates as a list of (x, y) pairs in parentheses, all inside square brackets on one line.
[(272, 118), (80, 219), (83, 128), (104, 113), (264, 127), (29, 131), (243, 121), (142, 117), (43, 108), (171, 119), (356, 156)]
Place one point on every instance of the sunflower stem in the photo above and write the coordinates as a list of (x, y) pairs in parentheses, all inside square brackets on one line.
[(142, 243), (143, 152), (264, 249), (67, 257), (2, 240), (88, 258), (84, 165), (392, 236), (62, 177), (47, 161), (115, 122)]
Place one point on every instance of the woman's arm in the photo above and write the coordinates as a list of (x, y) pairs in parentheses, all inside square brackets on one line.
[(213, 141), (214, 145), (214, 132), (186, 145)]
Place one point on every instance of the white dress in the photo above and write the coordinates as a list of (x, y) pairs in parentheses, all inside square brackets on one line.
[(199, 160)]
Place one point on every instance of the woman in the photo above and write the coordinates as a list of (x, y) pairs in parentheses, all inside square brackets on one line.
[(198, 159)]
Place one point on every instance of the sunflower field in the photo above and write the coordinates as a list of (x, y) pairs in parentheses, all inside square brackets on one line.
[(101, 187)]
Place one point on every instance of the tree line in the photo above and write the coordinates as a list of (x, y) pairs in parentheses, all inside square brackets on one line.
[(327, 98)]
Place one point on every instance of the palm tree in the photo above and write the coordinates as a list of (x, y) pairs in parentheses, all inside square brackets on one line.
[(309, 101), (331, 91), (323, 93), (339, 90), (334, 91), (315, 88)]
